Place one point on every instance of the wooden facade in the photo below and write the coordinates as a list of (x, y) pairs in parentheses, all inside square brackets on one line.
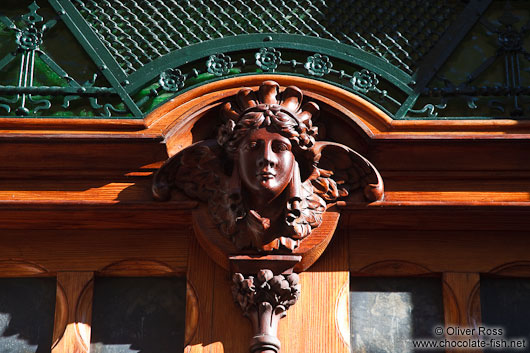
[(431, 97), (76, 203)]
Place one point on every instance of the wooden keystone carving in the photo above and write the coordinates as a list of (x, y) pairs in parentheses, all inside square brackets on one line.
[(268, 189)]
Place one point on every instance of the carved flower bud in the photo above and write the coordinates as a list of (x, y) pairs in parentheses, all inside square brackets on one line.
[(219, 64), (237, 278), (242, 300), (280, 286), (293, 279), (248, 284), (265, 275), (318, 65), (268, 59)]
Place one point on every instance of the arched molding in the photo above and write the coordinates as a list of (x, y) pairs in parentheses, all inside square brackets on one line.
[(299, 43), (512, 269), (176, 118), (21, 268), (136, 268), (395, 268)]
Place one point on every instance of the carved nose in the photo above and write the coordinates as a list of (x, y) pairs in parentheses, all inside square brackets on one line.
[(267, 158)]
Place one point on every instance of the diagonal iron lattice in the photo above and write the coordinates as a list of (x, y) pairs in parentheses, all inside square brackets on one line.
[(394, 54), (28, 97), (137, 32)]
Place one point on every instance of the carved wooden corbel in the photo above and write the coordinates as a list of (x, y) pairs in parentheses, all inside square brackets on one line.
[(268, 188), (264, 299)]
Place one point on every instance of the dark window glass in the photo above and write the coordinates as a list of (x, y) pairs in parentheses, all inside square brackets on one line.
[(144, 315), (27, 309), (505, 303), (386, 314)]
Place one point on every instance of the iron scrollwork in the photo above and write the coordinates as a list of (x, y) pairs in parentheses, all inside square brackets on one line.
[(30, 97), (509, 57)]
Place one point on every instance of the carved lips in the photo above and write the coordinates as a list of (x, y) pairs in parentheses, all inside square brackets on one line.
[(264, 176)]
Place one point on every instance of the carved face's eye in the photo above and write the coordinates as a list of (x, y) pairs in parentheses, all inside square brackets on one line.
[(279, 146), (252, 145)]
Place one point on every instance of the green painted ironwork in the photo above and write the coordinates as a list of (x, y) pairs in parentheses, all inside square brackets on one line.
[(373, 86), (497, 83), (40, 79), (138, 32), (396, 54), (278, 41)]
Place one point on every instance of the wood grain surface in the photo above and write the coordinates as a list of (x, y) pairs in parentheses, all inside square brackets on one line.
[(75, 199), (77, 289)]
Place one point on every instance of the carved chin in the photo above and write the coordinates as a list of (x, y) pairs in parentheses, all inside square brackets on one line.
[(269, 188)]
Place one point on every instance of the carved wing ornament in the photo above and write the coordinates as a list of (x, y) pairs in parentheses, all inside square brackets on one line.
[(265, 179)]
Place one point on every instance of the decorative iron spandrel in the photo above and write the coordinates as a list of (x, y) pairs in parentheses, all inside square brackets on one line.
[(497, 83), (33, 83)]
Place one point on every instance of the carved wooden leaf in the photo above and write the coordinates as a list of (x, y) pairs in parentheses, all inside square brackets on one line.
[(342, 172)]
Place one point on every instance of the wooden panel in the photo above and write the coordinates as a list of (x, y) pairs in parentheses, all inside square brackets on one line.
[(459, 291), (312, 324), (457, 251), (393, 268), (26, 314), (450, 155), (460, 304), (80, 191), (138, 314), (201, 276), (320, 310), (138, 268), (71, 124), (78, 250), (513, 269), (71, 215), (234, 337), (78, 156), (410, 216), (77, 289), (21, 268), (138, 189)]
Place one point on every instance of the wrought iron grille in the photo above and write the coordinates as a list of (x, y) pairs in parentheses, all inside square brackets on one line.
[(137, 32), (411, 58)]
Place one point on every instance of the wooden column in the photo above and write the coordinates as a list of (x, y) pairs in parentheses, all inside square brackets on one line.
[(319, 321), (77, 289), (461, 303)]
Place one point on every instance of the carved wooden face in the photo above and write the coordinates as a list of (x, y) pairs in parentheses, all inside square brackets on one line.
[(265, 163)]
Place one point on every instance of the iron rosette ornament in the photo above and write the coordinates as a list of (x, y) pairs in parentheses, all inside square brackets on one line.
[(266, 179)]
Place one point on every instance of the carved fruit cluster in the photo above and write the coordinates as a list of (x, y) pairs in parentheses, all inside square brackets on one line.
[(279, 291)]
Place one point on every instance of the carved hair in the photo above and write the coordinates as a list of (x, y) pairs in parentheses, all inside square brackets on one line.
[(270, 108)]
